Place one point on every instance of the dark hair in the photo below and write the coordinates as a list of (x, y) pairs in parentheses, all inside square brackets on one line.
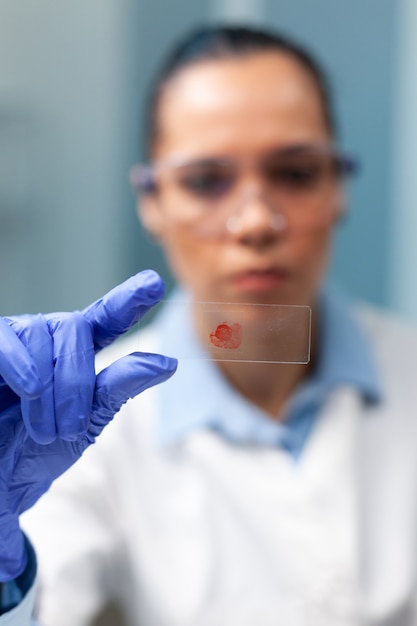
[(223, 42)]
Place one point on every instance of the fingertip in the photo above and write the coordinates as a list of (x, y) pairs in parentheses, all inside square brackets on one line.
[(33, 387), (30, 385), (170, 365), (32, 413), (160, 367), (160, 364), (122, 307), (152, 281), (44, 439), (39, 429)]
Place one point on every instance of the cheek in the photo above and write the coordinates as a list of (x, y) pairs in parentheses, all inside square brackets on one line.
[(313, 251), (193, 262)]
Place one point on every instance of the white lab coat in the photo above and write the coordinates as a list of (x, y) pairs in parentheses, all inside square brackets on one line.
[(209, 533)]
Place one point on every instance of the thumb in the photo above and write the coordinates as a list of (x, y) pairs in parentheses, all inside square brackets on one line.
[(123, 306), (124, 379)]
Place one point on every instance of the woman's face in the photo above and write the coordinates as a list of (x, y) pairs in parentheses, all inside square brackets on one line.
[(244, 108)]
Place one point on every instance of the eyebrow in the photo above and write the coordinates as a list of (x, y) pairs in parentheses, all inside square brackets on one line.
[(301, 148), (182, 160), (291, 148)]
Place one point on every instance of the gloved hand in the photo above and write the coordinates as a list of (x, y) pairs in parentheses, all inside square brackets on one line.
[(52, 404)]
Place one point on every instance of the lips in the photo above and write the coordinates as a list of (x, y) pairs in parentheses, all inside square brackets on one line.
[(257, 280)]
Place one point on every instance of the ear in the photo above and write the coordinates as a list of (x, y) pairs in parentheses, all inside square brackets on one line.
[(150, 216)]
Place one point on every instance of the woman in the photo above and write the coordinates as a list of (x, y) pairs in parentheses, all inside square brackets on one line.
[(245, 492)]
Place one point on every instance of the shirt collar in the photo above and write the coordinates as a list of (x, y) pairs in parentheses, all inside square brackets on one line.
[(198, 397), (345, 356)]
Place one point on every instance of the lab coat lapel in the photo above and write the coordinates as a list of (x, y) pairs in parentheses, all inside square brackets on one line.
[(387, 474), (375, 486)]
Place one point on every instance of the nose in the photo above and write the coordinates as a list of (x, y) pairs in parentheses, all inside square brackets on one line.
[(255, 217)]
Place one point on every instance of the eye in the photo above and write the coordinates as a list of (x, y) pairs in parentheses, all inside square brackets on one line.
[(205, 182), (300, 174)]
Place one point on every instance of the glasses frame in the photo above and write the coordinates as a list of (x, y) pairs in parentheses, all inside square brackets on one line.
[(143, 176)]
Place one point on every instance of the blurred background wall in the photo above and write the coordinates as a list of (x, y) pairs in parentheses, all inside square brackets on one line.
[(72, 76)]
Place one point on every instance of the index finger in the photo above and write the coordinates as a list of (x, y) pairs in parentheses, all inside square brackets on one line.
[(16, 365), (117, 311)]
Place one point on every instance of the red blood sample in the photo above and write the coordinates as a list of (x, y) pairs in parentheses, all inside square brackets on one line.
[(226, 336)]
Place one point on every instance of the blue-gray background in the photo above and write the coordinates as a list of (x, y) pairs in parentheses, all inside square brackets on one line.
[(73, 78)]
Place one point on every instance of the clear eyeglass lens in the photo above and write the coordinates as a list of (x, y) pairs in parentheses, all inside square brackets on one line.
[(210, 191), (300, 174), (206, 182)]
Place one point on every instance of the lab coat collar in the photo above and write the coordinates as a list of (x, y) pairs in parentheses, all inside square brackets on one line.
[(344, 355)]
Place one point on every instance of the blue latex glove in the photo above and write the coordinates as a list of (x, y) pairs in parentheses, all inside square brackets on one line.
[(53, 406)]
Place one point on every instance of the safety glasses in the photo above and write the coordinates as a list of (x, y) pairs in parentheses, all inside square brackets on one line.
[(208, 193)]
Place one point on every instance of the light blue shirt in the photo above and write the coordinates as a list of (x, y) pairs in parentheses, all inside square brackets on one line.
[(199, 397)]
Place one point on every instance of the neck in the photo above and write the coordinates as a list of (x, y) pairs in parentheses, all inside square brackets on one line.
[(267, 385)]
